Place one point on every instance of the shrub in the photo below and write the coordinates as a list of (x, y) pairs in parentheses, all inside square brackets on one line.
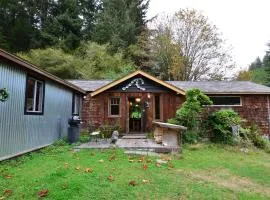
[(255, 135), (190, 137), (189, 114), (221, 123)]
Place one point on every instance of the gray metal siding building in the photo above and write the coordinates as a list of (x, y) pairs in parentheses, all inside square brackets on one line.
[(21, 132)]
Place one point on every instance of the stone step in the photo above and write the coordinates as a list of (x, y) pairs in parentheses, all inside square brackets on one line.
[(142, 136), (139, 152)]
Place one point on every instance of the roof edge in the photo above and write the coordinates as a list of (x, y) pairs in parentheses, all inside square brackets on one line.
[(116, 82), (42, 72)]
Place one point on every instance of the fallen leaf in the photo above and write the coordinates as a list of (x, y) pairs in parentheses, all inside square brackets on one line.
[(145, 166), (149, 160), (7, 176), (89, 170), (131, 161), (1, 198), (170, 166), (7, 192), (145, 181), (65, 186), (140, 160), (158, 165), (112, 157), (111, 178), (43, 193), (133, 183), (101, 161), (77, 168)]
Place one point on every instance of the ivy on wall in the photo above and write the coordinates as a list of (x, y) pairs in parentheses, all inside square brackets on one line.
[(3, 94)]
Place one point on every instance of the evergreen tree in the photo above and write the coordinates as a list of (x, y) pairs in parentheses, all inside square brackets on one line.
[(120, 23), (256, 64)]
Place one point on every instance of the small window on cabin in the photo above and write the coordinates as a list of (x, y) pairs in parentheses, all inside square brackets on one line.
[(157, 107), (226, 100), (34, 96), (76, 104), (114, 107)]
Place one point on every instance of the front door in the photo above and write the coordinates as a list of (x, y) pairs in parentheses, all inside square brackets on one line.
[(135, 114)]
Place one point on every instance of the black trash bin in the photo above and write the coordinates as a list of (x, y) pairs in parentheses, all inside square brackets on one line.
[(74, 129)]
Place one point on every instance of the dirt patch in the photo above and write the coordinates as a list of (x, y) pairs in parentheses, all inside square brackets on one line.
[(225, 178)]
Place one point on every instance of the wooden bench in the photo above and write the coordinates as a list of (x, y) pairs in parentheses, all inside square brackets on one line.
[(168, 134)]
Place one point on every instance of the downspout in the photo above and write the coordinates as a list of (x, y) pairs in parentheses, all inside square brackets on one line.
[(268, 110)]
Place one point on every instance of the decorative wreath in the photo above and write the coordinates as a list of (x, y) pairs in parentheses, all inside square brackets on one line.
[(3, 94)]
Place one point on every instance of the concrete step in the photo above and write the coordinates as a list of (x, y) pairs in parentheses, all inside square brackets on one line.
[(141, 136)]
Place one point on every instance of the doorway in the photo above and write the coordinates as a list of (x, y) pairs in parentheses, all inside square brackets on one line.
[(135, 115)]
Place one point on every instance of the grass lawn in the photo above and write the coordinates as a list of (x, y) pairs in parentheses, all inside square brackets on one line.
[(204, 171)]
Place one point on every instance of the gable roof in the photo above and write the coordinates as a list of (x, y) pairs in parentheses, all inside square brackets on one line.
[(28, 66), (138, 72), (208, 87), (223, 87)]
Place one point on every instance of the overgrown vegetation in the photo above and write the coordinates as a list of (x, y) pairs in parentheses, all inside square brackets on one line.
[(221, 123), (222, 126), (189, 114), (204, 171)]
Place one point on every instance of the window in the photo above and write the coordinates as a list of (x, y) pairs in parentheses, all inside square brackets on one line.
[(226, 100), (114, 107), (157, 107), (76, 104), (34, 97)]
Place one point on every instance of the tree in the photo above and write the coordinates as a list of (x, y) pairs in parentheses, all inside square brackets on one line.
[(256, 64), (244, 75), (89, 61), (201, 51), (55, 61), (120, 23)]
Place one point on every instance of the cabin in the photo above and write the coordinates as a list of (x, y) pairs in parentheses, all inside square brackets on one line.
[(136, 100), (34, 106)]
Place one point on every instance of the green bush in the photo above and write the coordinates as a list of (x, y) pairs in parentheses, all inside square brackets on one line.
[(221, 123), (189, 114), (190, 137), (255, 135)]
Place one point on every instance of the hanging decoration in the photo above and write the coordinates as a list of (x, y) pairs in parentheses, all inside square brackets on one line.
[(138, 82), (3, 94)]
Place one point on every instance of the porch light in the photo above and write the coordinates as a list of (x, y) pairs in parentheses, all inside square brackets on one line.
[(148, 96), (138, 100)]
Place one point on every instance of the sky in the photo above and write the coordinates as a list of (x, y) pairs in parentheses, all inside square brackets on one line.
[(244, 24)]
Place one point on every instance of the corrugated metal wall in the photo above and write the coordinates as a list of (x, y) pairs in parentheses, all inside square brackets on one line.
[(19, 132)]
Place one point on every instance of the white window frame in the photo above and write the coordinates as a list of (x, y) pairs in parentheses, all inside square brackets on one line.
[(110, 104), (41, 97), (240, 97)]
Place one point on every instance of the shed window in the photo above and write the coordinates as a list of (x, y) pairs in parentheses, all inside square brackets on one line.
[(157, 107), (76, 104), (34, 102), (114, 107), (226, 101)]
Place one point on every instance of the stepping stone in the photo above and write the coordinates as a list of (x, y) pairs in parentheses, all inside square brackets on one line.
[(144, 153)]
